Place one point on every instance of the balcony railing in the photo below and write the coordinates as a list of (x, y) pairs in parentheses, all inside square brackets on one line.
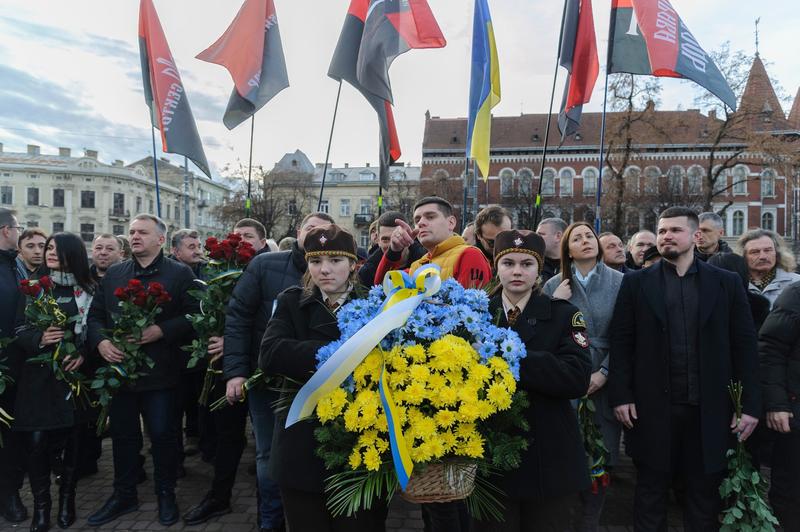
[(363, 219), (120, 214)]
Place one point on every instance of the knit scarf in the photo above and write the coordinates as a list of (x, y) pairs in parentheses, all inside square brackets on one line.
[(765, 281), (83, 300)]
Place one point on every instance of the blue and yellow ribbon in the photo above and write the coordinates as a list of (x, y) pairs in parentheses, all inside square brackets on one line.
[(404, 293)]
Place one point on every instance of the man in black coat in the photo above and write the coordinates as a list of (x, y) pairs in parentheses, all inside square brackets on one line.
[(11, 473), (779, 350), (248, 312), (386, 224), (154, 395), (681, 331)]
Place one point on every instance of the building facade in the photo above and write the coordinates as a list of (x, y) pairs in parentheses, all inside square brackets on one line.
[(86, 196), (673, 158)]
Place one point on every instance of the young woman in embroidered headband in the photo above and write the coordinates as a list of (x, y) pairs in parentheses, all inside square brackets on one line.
[(540, 494), (305, 320), (45, 416)]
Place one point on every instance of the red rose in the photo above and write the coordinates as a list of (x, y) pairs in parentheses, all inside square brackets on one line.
[(163, 298), (121, 293), (28, 288), (236, 237), (155, 289), (46, 283), (227, 250), (216, 252), (211, 242), (140, 300), (134, 284), (245, 253)]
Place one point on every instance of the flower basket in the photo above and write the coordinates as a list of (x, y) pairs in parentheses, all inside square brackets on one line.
[(441, 482)]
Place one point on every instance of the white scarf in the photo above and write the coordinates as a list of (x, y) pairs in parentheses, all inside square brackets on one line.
[(83, 300)]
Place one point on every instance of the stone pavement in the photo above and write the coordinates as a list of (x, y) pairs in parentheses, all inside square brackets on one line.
[(403, 517)]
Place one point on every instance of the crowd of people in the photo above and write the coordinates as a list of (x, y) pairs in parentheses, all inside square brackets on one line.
[(652, 330)]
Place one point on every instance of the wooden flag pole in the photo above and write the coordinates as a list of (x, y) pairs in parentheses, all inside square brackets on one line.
[(330, 141), (155, 172), (536, 208)]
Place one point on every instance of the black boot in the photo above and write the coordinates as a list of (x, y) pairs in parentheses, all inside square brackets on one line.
[(115, 507), (11, 507), (167, 508), (66, 498), (39, 476)]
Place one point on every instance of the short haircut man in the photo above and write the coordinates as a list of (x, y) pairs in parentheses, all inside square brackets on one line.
[(640, 242), (709, 241), (30, 233), (255, 224), (31, 249), (106, 251), (161, 227), (488, 223), (551, 230), (613, 250), (8, 217), (181, 234)]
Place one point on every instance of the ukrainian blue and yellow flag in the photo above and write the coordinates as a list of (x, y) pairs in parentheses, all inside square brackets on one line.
[(484, 87)]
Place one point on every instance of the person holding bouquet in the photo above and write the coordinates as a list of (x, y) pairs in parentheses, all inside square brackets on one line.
[(153, 393), (47, 412), (304, 321), (541, 493)]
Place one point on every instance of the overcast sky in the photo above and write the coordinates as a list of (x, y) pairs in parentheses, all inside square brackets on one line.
[(71, 76)]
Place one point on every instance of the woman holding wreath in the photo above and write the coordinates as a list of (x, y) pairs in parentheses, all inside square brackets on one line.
[(304, 321)]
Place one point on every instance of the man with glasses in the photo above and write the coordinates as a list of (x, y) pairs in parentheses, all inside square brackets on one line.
[(11, 507)]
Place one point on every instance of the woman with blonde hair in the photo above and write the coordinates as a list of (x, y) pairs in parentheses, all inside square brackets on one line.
[(586, 282)]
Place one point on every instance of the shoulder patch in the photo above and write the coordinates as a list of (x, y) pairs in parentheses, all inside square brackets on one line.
[(578, 320), (580, 338)]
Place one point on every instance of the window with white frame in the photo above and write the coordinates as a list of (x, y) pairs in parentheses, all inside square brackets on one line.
[(675, 180), (344, 207), (548, 182), (768, 221), (632, 174), (651, 176), (740, 174), (365, 206), (6, 195), (507, 182), (324, 206), (589, 181), (525, 181), (33, 196), (768, 183), (566, 177), (363, 239), (695, 180), (738, 223)]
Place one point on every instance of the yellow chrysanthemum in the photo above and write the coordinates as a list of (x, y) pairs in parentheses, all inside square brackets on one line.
[(445, 418), (355, 459), (468, 411), (419, 373), (485, 409), (372, 459), (415, 393), (416, 353), (499, 396)]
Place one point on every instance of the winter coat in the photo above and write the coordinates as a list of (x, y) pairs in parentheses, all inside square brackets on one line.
[(167, 354), (779, 351), (556, 369), (722, 247), (773, 290), (366, 274), (596, 302), (11, 315), (639, 362), (301, 325), (252, 305)]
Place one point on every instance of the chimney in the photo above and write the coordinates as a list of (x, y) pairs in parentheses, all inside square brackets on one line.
[(64, 152), (91, 154), (712, 114), (119, 163), (347, 165), (367, 165), (33, 149), (651, 106)]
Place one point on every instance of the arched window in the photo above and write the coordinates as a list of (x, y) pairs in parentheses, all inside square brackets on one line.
[(738, 223), (651, 176), (565, 176), (470, 179), (740, 175), (525, 180), (768, 221), (589, 181), (675, 180), (632, 175), (506, 181), (548, 182), (440, 181), (695, 180), (650, 221), (768, 183)]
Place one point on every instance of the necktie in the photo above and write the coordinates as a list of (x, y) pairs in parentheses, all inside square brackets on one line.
[(332, 305), (513, 315)]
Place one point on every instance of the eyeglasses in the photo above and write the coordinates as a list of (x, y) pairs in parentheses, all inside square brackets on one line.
[(20, 228)]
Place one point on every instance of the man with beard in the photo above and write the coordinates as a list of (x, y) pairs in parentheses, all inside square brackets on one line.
[(770, 264), (613, 251), (488, 223), (681, 332), (106, 251)]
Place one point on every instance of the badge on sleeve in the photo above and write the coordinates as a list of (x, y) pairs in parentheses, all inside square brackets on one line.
[(578, 320), (580, 339)]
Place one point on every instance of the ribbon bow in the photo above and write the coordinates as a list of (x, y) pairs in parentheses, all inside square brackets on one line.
[(404, 293)]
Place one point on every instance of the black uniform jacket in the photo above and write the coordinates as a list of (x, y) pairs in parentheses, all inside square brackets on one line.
[(556, 369), (639, 362), (300, 326), (177, 279)]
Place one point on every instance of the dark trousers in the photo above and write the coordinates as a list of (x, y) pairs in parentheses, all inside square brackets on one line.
[(189, 387), (445, 516), (157, 408), (701, 503), (230, 424), (553, 514), (305, 511), (12, 471), (784, 493)]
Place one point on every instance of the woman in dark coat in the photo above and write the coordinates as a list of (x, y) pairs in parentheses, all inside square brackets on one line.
[(304, 321), (541, 494), (45, 413)]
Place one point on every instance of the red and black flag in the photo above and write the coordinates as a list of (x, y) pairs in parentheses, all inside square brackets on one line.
[(649, 37), (391, 28), (163, 90), (578, 55), (252, 52)]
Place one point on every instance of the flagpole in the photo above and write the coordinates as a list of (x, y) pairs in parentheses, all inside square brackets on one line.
[(155, 172), (599, 188), (464, 202), (248, 204), (536, 208), (330, 141), (186, 191)]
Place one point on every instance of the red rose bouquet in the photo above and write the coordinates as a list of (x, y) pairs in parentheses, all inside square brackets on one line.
[(138, 308), (227, 260), (42, 313)]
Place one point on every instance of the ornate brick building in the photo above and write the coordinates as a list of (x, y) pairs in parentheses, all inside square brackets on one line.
[(736, 164)]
